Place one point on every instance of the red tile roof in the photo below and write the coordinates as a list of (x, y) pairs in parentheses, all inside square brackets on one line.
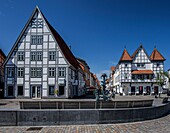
[(113, 68), (156, 55), (142, 72), (125, 56)]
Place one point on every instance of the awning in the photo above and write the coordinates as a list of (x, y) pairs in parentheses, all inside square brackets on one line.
[(142, 72)]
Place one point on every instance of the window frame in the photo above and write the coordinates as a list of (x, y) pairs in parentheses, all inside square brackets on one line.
[(62, 73), (54, 56), (20, 72), (39, 54), (36, 39), (20, 56), (49, 92), (33, 54), (51, 73), (11, 73)]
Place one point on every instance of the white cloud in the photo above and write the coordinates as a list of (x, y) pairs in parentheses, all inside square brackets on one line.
[(112, 63)]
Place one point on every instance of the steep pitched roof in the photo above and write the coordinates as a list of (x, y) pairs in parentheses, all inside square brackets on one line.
[(61, 43), (134, 54), (63, 46), (125, 56), (156, 55)]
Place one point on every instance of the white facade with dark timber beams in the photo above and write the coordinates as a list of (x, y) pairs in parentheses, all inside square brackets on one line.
[(137, 74), (40, 64)]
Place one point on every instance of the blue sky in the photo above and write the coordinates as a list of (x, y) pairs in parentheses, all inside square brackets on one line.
[(97, 30)]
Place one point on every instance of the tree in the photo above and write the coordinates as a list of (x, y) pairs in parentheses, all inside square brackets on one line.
[(162, 77)]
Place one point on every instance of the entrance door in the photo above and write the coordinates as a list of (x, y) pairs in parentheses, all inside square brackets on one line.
[(148, 90), (10, 91), (36, 91), (156, 90), (140, 90), (133, 90), (61, 90)]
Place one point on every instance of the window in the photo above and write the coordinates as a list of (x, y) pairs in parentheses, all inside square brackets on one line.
[(36, 72), (20, 72), (33, 56), (39, 72), (39, 56), (36, 39), (62, 71), (36, 56), (20, 56), (10, 72), (51, 72), (52, 56), (51, 90), (33, 72), (141, 65), (20, 90), (33, 39), (157, 64), (125, 65), (39, 39)]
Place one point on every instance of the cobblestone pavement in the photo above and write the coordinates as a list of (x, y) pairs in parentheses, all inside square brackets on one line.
[(161, 125)]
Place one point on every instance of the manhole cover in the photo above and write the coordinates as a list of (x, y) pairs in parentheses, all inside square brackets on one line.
[(34, 129)]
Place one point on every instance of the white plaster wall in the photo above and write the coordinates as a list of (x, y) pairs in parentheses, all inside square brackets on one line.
[(44, 84), (26, 70), (36, 79), (26, 94), (45, 45), (51, 45), (44, 93), (44, 60), (45, 28), (61, 61), (20, 80), (27, 85), (45, 38), (51, 80), (39, 46), (33, 46), (27, 46), (26, 77), (59, 54), (44, 77), (51, 38)]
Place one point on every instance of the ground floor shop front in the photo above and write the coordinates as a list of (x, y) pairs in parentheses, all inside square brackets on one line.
[(138, 89)]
